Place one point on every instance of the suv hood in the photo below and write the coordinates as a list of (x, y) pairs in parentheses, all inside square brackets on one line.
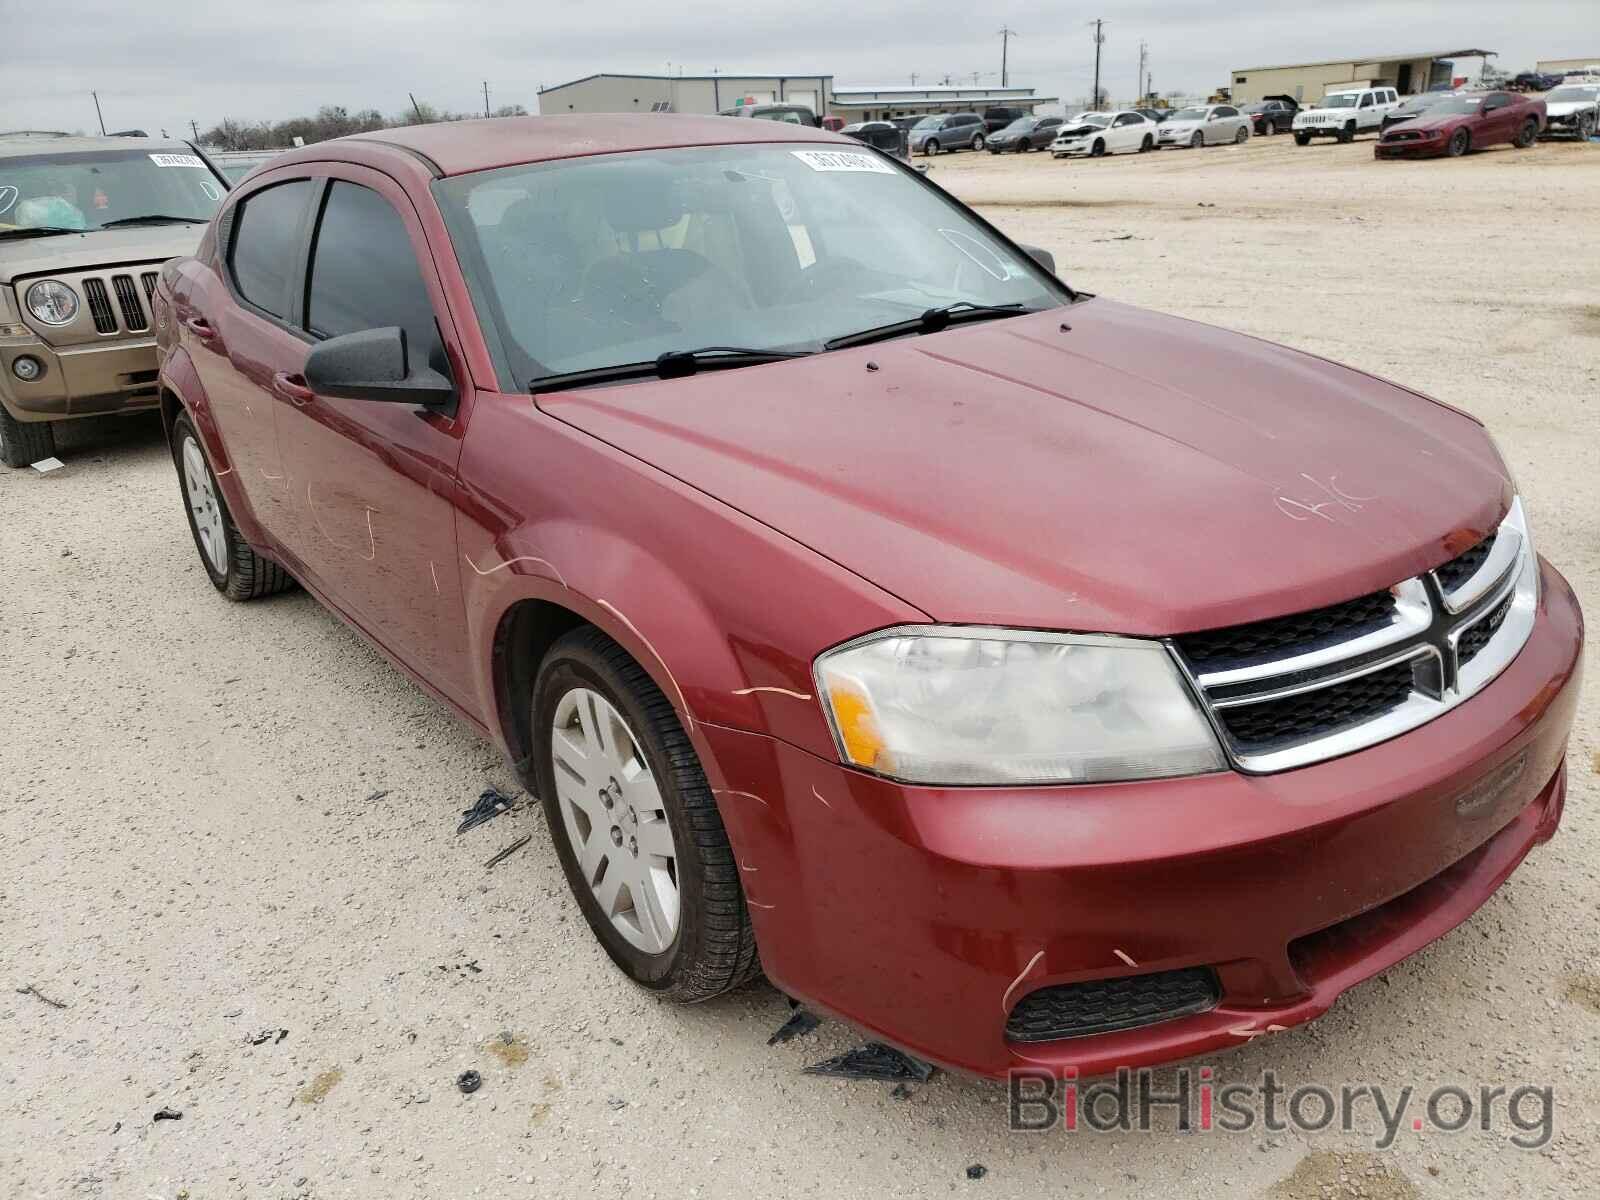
[(95, 248), (1139, 474), (1564, 108)]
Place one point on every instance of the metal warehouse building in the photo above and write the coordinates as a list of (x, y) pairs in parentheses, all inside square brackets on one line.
[(1406, 73), (684, 93), (1562, 66), (708, 94)]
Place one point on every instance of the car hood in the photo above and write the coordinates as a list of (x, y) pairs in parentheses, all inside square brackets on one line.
[(97, 248), (1437, 121), (1137, 474), (1562, 108), (1186, 126)]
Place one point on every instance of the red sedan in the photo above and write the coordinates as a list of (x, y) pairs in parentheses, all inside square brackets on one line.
[(1030, 678), (1467, 122)]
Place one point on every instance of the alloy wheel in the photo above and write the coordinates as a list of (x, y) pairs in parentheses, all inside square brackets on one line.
[(208, 523), (615, 819)]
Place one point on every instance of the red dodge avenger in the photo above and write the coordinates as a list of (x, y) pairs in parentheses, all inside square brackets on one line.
[(1024, 677)]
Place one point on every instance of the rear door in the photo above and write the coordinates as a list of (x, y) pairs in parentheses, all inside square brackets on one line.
[(234, 321), (374, 481)]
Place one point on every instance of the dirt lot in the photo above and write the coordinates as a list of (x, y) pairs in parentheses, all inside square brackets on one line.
[(194, 850)]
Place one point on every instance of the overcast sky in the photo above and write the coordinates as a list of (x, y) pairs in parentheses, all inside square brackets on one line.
[(158, 65)]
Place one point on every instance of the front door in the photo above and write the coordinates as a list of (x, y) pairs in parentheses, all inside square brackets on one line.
[(373, 481)]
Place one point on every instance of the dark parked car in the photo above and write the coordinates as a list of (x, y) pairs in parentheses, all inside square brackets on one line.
[(948, 131), (1535, 81), (1271, 114), (1024, 134), (1027, 678), (1157, 115), (880, 135), (996, 119), (1412, 107), (1466, 122)]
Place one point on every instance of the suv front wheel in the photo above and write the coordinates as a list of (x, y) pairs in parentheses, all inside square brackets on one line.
[(977, 141), (24, 442)]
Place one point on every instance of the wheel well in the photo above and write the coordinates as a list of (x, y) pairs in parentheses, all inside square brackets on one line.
[(527, 631), (171, 406)]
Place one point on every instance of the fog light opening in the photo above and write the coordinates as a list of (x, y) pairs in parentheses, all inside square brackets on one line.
[(27, 368)]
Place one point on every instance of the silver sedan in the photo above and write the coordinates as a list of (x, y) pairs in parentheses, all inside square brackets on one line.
[(1204, 125)]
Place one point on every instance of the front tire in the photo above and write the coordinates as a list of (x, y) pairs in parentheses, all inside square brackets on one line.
[(1198, 141), (1302, 139), (977, 141), (1147, 145), (1241, 137), (635, 825), (1347, 134), (234, 569), (1098, 150), (931, 146), (25, 442), (1460, 143)]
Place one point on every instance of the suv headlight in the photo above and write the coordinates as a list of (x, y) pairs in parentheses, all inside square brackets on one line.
[(52, 302), (978, 705)]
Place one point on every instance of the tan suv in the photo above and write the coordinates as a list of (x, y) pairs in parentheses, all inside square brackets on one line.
[(85, 224)]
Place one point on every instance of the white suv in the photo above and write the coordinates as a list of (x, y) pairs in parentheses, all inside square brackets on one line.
[(1345, 114)]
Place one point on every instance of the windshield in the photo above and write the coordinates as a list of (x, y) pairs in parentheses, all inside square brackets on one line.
[(1347, 100), (91, 189), (1574, 93), (1188, 114), (929, 123), (1457, 104), (598, 261), (1021, 125)]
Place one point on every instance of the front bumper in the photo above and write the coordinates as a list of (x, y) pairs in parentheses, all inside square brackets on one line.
[(79, 381), (925, 914), (1412, 148)]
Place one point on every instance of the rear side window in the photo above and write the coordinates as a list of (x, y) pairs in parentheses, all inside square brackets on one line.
[(364, 273), (265, 244)]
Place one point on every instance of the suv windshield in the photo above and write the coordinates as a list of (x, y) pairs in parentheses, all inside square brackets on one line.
[(929, 123), (91, 189), (595, 262), (1344, 100)]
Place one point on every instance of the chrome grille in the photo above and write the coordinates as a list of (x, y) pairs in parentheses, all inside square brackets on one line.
[(1295, 690), (94, 290), (133, 318)]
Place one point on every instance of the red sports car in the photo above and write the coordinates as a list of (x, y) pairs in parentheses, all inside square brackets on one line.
[(1027, 678), (1466, 122)]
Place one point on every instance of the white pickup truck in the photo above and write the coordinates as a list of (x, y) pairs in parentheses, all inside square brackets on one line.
[(1346, 113)]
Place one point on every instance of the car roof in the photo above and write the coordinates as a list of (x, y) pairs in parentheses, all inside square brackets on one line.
[(16, 144), (460, 147)]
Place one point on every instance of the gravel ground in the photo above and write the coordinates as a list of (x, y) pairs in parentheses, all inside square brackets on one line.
[(219, 819)]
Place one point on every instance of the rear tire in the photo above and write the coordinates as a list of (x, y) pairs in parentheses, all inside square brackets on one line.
[(234, 569), (1242, 136), (1527, 135), (25, 442), (711, 947)]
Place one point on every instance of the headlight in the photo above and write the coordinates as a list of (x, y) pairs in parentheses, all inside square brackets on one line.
[(52, 302), (977, 705)]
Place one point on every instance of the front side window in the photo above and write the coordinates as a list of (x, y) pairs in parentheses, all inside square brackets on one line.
[(1366, 101), (595, 262), (87, 190), (364, 274), (266, 243)]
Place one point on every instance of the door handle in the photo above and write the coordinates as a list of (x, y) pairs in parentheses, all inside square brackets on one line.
[(292, 388), (201, 328)]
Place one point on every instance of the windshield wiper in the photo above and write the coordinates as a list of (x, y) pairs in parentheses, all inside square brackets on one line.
[(30, 231), (674, 364), (155, 219), (931, 321)]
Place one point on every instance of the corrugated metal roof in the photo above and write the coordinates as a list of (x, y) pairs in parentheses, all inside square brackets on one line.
[(1371, 58)]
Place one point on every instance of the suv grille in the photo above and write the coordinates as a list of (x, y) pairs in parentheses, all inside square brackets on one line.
[(1105, 1005), (1294, 690), (133, 318), (94, 290)]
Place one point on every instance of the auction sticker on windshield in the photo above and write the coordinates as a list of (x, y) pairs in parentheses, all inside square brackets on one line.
[(842, 160), (177, 160)]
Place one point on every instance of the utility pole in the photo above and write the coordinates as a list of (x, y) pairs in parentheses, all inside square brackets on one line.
[(486, 97), (1144, 64), (98, 113), (1099, 40), (416, 108), (913, 79), (194, 129), (1006, 34)]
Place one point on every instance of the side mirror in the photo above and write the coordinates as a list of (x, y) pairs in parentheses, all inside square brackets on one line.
[(1041, 256), (374, 365)]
